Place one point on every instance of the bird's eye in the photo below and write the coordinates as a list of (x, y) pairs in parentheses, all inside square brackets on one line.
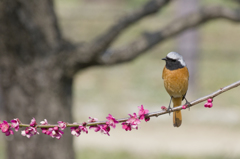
[(173, 60)]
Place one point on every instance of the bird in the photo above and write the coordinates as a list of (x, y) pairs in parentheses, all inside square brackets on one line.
[(175, 76)]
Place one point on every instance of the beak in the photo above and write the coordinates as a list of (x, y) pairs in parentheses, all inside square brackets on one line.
[(164, 59)]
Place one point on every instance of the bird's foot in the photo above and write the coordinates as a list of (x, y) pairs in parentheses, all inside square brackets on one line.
[(169, 110), (187, 104)]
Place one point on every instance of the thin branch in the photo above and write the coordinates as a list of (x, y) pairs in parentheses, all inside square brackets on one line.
[(153, 114), (75, 57), (149, 40), (102, 42)]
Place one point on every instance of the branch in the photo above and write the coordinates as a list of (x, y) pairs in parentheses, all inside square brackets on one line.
[(75, 57), (202, 99), (102, 42), (55, 131), (149, 40), (156, 114)]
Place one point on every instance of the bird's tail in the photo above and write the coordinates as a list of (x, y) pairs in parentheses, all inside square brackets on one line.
[(177, 115)]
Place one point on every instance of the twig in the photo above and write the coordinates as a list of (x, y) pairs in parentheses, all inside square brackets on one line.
[(156, 114), (150, 39)]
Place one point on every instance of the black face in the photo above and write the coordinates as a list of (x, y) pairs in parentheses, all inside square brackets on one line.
[(172, 64)]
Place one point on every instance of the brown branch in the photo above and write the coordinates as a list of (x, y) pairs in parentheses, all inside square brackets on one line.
[(156, 114), (102, 42), (149, 40), (75, 57), (202, 99)]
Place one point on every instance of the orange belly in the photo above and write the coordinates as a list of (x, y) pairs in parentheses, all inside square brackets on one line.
[(176, 81)]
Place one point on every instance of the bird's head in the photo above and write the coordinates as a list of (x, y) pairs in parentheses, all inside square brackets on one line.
[(174, 61)]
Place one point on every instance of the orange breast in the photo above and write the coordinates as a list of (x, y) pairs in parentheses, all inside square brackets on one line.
[(176, 81)]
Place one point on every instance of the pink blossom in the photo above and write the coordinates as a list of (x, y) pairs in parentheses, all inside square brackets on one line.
[(104, 129), (184, 106), (131, 123), (15, 124), (45, 130), (45, 122), (96, 128), (62, 125), (134, 121), (111, 121), (126, 126), (29, 132), (83, 127), (33, 122), (147, 119), (6, 128), (206, 105), (77, 130), (163, 108), (209, 103), (142, 112), (210, 100), (55, 132), (91, 120)]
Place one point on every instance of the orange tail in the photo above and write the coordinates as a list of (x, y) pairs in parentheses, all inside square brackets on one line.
[(177, 115)]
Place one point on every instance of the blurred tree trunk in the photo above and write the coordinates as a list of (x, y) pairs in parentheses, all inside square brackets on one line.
[(31, 85), (188, 41)]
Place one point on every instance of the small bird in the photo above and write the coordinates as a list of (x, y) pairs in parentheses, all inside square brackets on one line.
[(175, 76)]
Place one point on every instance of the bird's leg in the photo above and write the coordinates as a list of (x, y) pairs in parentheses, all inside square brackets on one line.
[(187, 103), (169, 107)]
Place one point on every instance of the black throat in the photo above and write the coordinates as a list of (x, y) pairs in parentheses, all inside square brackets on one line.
[(173, 64)]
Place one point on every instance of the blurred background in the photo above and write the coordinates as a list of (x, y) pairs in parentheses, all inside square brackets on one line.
[(118, 90)]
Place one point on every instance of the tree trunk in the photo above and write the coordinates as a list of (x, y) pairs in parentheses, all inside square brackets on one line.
[(32, 85), (188, 42)]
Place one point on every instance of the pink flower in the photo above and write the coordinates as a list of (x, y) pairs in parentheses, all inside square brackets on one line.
[(45, 130), (62, 125), (91, 120), (29, 132), (83, 127), (131, 123), (210, 100), (55, 132), (147, 119), (45, 122), (209, 103), (126, 126), (134, 121), (96, 128), (33, 122), (142, 112), (6, 128), (104, 129), (77, 130), (163, 108), (184, 107), (111, 121), (15, 124)]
